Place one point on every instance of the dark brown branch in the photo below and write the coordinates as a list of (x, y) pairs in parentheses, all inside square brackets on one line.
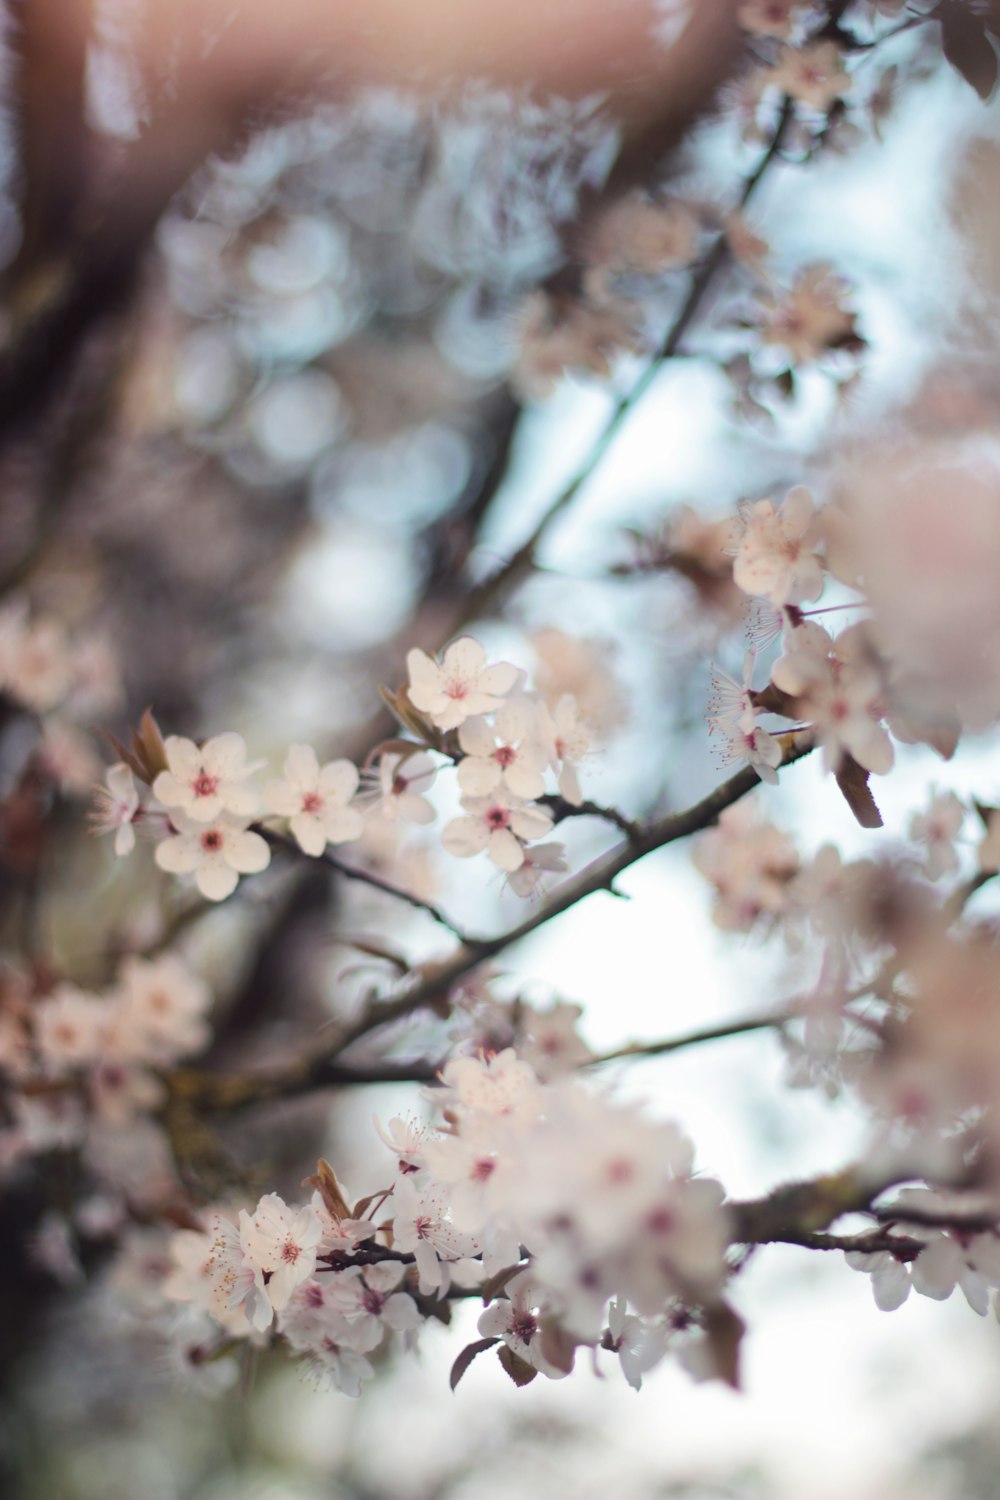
[(320, 1066)]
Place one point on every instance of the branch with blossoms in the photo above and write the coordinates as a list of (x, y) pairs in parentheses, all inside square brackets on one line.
[(582, 1222)]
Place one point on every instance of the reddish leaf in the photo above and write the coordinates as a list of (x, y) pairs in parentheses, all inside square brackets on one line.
[(967, 46), (517, 1368), (324, 1180), (724, 1329), (466, 1357), (495, 1284), (853, 782)]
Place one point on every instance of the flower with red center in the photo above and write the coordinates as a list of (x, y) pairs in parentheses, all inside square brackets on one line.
[(116, 807), (512, 754), (216, 855), (316, 800), (460, 685), (203, 782), (281, 1243), (499, 824)]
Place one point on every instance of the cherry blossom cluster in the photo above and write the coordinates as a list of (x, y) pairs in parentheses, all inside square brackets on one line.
[(905, 1008), (934, 1261), (62, 679), (79, 1060), (913, 536), (560, 1207), (212, 817)]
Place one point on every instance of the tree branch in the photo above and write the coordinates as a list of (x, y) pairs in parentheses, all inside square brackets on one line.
[(319, 1066), (482, 598)]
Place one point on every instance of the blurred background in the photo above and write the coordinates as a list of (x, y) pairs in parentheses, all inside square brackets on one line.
[(266, 423)]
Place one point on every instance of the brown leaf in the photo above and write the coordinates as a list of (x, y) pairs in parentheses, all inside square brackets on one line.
[(325, 1181), (466, 1357), (853, 782), (724, 1330), (495, 1284), (149, 746), (967, 46), (558, 1346), (517, 1368)]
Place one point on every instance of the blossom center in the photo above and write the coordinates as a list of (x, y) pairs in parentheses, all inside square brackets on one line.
[(505, 756), (290, 1252), (456, 688), (524, 1326), (312, 802), (204, 785), (211, 841), (498, 817)]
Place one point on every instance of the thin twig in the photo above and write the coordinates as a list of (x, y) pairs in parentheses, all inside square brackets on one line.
[(319, 1066), (366, 877), (482, 598)]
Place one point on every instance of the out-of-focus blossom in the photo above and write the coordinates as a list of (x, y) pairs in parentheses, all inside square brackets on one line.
[(810, 318), (813, 75), (776, 557)]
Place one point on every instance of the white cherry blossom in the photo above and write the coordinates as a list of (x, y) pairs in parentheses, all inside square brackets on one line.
[(460, 686), (369, 1297), (569, 738), (316, 800), (161, 1005), (539, 860), (116, 806), (217, 853), (837, 688), (281, 1243), (402, 782), (511, 752), (69, 1027), (733, 718), (202, 782), (937, 829), (775, 558), (500, 824), (422, 1226)]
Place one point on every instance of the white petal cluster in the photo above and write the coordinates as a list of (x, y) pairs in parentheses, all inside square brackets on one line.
[(215, 852), (316, 800), (460, 685), (776, 557)]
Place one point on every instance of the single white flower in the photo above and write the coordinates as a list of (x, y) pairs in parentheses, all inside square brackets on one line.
[(402, 782), (280, 1242), (512, 753), (115, 807), (216, 853), (500, 824), (569, 738), (733, 718), (203, 782), (937, 829), (316, 800), (540, 860), (775, 559), (460, 686)]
